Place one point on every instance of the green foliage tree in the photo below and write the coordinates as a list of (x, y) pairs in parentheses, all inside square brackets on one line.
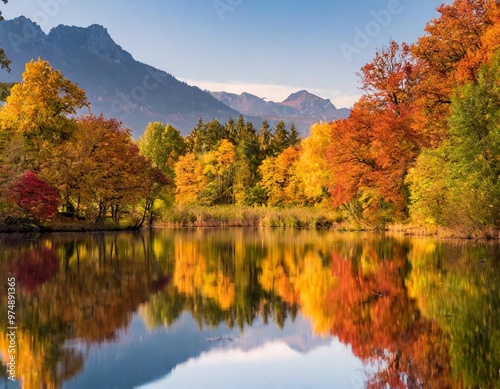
[(265, 137), (205, 137), (458, 184), (231, 130), (474, 147), (247, 161), (280, 140), (162, 145), (219, 170), (294, 138), (427, 182)]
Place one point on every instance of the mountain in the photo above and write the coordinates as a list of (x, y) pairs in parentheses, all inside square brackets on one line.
[(302, 108), (135, 93), (116, 84)]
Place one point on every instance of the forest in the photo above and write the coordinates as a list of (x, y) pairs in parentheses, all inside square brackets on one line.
[(420, 147)]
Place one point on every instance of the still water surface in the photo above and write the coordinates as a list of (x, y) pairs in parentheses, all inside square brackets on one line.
[(245, 308)]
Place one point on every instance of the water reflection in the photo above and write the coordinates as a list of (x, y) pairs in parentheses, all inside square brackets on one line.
[(128, 310)]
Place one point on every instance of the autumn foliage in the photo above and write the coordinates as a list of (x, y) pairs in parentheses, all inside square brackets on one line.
[(35, 196), (421, 143), (87, 167), (413, 95)]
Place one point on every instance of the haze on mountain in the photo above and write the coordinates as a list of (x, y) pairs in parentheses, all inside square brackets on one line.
[(302, 108), (135, 93)]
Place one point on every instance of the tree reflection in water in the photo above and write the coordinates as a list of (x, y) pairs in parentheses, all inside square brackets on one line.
[(423, 312)]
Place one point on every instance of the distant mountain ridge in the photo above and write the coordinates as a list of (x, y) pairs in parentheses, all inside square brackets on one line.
[(116, 84), (302, 107), (135, 93)]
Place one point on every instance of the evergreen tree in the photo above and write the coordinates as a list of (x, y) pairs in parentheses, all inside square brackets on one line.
[(213, 132), (265, 137), (231, 130), (294, 137), (240, 128), (280, 140), (194, 140)]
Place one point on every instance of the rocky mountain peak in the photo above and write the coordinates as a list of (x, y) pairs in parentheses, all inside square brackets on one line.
[(94, 38), (23, 29)]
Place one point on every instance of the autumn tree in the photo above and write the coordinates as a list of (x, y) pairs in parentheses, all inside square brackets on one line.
[(219, 170), (153, 182), (225, 168), (458, 184), (38, 110), (39, 106), (35, 197), (189, 179), (373, 149), (450, 53), (279, 178), (312, 169), (111, 174), (100, 172)]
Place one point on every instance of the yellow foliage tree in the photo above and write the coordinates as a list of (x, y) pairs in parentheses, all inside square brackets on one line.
[(312, 169), (189, 179), (39, 106), (279, 179)]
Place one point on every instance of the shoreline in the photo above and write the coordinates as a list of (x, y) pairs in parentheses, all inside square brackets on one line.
[(249, 217)]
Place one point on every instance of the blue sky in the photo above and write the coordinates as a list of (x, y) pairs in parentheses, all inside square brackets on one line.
[(267, 47)]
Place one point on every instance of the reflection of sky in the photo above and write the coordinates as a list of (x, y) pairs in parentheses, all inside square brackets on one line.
[(272, 365), (183, 356)]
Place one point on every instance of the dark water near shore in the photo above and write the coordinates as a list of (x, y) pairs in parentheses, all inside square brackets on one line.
[(245, 308)]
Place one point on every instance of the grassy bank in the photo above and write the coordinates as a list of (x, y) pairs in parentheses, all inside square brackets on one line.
[(413, 229), (236, 216), (243, 216)]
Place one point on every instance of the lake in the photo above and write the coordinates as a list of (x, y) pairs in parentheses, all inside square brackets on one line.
[(248, 308)]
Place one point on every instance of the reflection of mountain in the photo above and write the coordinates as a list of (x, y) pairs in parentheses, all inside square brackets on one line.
[(272, 365), (152, 355)]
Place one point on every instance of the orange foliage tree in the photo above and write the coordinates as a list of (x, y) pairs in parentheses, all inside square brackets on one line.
[(451, 53), (372, 150)]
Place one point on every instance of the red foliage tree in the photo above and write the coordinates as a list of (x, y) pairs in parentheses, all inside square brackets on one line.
[(35, 196)]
